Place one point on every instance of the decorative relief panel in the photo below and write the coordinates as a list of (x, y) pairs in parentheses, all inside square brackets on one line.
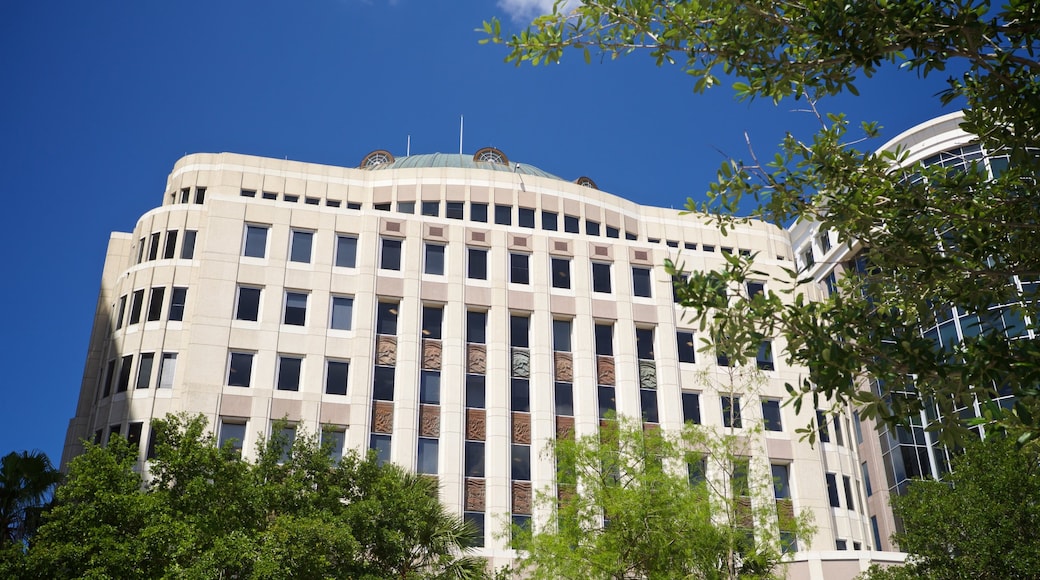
[(521, 363), (476, 359), (522, 497), (476, 424), (474, 500), (429, 421), (383, 417), (565, 427), (605, 370), (647, 374), (386, 350), (431, 356), (564, 366), (565, 492), (522, 428)]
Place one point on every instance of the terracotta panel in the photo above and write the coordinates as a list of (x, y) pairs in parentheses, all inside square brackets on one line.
[(647, 374), (476, 424), (383, 417), (563, 366), (522, 428), (605, 370), (522, 497), (474, 495), (386, 350), (430, 421), (431, 359), (476, 359), (565, 427)]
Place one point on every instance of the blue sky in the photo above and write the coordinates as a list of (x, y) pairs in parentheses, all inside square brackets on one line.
[(101, 98)]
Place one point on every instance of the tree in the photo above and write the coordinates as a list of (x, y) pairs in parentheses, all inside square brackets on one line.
[(204, 511), (934, 238), (26, 481), (642, 503), (980, 522)]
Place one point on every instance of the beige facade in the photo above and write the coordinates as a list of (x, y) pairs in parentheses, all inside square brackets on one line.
[(450, 312)]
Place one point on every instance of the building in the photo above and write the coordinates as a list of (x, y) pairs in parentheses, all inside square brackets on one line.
[(451, 312)]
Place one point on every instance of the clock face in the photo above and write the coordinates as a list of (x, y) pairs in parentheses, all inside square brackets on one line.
[(377, 158), (491, 155)]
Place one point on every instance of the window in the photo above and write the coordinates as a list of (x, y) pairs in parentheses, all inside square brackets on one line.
[(289, 368), (133, 434), (232, 434), (519, 330), (564, 398), (520, 395), (755, 288), (200, 194), (475, 391), (434, 262), (248, 307), (248, 193), (140, 250), (570, 224), (641, 281), (386, 318), (731, 411), (550, 220), (648, 403), (601, 277), (771, 415), (821, 423), (591, 228), (607, 403), (432, 321), (342, 313), (300, 247), (120, 310), (431, 208), (454, 210), (781, 480), (525, 217), (876, 532), (561, 273), (256, 242), (311, 200), (613, 232), (383, 384), (561, 335), (170, 249), (697, 470), (825, 242), (856, 427), (155, 302), (764, 359), (353, 205), (427, 456), (391, 256), (110, 372), (124, 373), (604, 339), (144, 370), (136, 303), (153, 246), (333, 202), (831, 283), (478, 212), (406, 207), (739, 477), (476, 325), (167, 370), (645, 343), (333, 441), (521, 470), (285, 438), (839, 436), (336, 373), (346, 251), (631, 236), (381, 445), (295, 309), (381, 206), (840, 544), (832, 489), (430, 387), (691, 408), (188, 245), (847, 484), (866, 478), (808, 258), (519, 268), (504, 215), (177, 301), (474, 459), (240, 369), (687, 350), (477, 263)]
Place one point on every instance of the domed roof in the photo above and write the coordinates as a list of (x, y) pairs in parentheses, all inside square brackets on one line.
[(455, 160)]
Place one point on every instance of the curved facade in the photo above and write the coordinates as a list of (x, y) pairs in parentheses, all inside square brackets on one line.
[(451, 316)]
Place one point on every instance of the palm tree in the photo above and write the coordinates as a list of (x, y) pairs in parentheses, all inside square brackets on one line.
[(26, 482)]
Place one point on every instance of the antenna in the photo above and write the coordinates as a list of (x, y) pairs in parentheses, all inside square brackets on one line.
[(408, 147), (460, 134)]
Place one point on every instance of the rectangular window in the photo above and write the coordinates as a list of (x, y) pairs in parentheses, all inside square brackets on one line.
[(336, 373), (406, 207), (687, 350), (153, 246), (866, 478), (167, 370), (564, 396), (454, 210), (312, 200), (333, 441), (474, 459), (755, 288), (519, 268), (232, 434), (764, 359), (521, 470), (133, 434), (832, 489), (170, 249), (256, 242), (381, 445), (476, 326), (504, 215), (607, 403), (390, 259), (604, 339), (432, 321), (641, 281), (808, 258), (519, 330), (831, 283), (781, 480), (136, 304), (821, 423), (240, 369), (825, 242), (178, 299), (739, 478), (631, 236), (342, 313), (876, 532), (295, 313), (591, 228), (431, 208), (520, 395), (110, 375), (247, 193), (839, 436), (300, 247), (140, 250), (434, 259), (248, 307), (120, 311), (383, 384), (346, 251), (476, 263), (381, 206), (200, 195), (771, 415), (285, 437), (430, 387), (571, 224), (613, 232), (525, 217), (645, 343), (289, 368), (155, 302), (550, 220), (124, 373), (847, 483), (697, 470), (856, 427), (561, 272), (386, 318), (731, 411), (427, 456), (478, 212), (475, 391), (188, 245), (144, 370), (561, 335), (648, 403), (601, 277), (691, 408)]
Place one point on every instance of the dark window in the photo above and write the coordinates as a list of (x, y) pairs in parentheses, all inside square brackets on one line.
[(519, 268), (333, 442), (771, 415), (289, 373), (477, 263), (431, 208), (478, 212), (561, 273), (300, 247), (383, 384), (645, 343), (591, 228), (550, 220), (739, 478), (353, 205), (188, 246), (232, 435), (426, 462), (607, 404), (841, 544), (430, 387), (866, 478), (381, 445), (240, 369), (144, 370), (521, 462), (613, 232), (391, 256), (520, 395), (386, 318), (454, 210), (342, 313), (525, 217), (295, 309), (519, 331), (178, 299), (601, 277), (604, 339), (110, 372), (336, 373), (248, 193), (839, 436), (170, 249), (475, 521), (432, 317), (641, 281), (503, 215), (133, 434), (697, 470), (346, 251), (120, 311), (631, 236), (561, 335), (765, 356), (381, 206), (256, 242), (691, 408), (474, 459), (570, 224), (153, 246), (434, 263), (648, 403), (564, 399), (781, 480), (406, 207), (832, 490), (269, 195), (248, 307), (155, 302), (849, 504), (475, 391), (136, 304), (731, 411), (476, 326), (822, 424), (311, 201), (687, 350), (200, 194)]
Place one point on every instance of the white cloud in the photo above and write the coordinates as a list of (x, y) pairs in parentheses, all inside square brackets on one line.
[(527, 10)]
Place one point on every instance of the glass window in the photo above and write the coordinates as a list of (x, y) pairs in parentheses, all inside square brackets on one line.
[(200, 194), (478, 212), (381, 206), (847, 484), (764, 358), (248, 307), (475, 391), (346, 251), (475, 521), (434, 262), (136, 304), (571, 224), (386, 318), (631, 236), (739, 477), (153, 246), (731, 411), (342, 313), (503, 215), (406, 207), (561, 335), (519, 330), (188, 246), (476, 326), (832, 490), (519, 268), (144, 370), (691, 408), (120, 310), (613, 232), (839, 436), (474, 459), (300, 247), (333, 441), (520, 395), (781, 480), (823, 429), (607, 403), (477, 262), (771, 415), (550, 220), (336, 373), (454, 210), (645, 343), (525, 217), (289, 368), (256, 242), (641, 281), (155, 302), (381, 445), (177, 302), (391, 256), (430, 387), (564, 399), (561, 272), (648, 403), (521, 462), (431, 208), (866, 478), (269, 195), (755, 288), (591, 228), (167, 370), (604, 339), (295, 309), (427, 456), (687, 350), (601, 277), (383, 384), (697, 470), (170, 249), (432, 321), (240, 369), (110, 371), (140, 250), (232, 434)]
